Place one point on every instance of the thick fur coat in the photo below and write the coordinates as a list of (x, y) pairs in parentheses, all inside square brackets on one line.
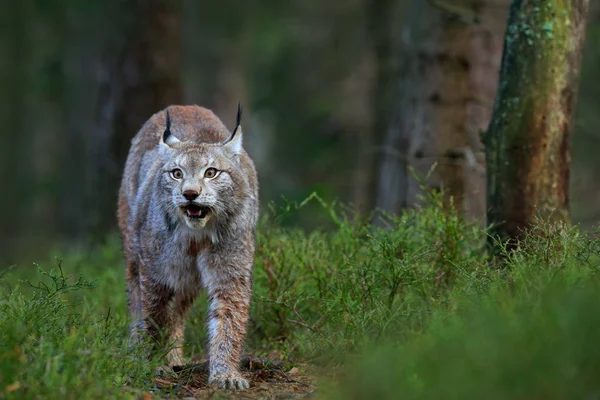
[(188, 207)]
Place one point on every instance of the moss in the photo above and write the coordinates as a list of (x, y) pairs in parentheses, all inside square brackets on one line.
[(529, 122)]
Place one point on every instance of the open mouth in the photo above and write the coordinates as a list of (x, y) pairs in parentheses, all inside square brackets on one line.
[(193, 211)]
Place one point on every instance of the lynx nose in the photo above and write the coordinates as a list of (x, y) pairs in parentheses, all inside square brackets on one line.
[(190, 195)]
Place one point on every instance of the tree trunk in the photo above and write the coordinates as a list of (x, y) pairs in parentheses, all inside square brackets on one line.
[(55, 160), (140, 79), (445, 90), (379, 15), (15, 163), (529, 139)]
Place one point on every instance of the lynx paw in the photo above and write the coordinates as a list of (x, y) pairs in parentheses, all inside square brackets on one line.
[(229, 381)]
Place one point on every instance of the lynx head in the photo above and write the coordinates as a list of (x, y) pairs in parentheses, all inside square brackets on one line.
[(202, 182)]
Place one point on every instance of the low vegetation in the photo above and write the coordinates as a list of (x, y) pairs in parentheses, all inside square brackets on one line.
[(409, 308)]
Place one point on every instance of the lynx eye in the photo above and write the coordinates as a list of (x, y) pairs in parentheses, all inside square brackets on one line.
[(176, 174), (210, 173)]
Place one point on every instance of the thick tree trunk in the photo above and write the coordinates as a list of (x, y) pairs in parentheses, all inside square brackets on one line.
[(141, 78), (529, 139), (446, 86)]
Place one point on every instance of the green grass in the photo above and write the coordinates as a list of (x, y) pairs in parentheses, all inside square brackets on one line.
[(411, 311)]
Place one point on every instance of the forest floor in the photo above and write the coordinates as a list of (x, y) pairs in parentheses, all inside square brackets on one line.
[(418, 310), (267, 380)]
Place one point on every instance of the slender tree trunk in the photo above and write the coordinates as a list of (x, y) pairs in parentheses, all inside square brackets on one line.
[(379, 14), (141, 78), (16, 142), (529, 139), (445, 90), (55, 161), (595, 10)]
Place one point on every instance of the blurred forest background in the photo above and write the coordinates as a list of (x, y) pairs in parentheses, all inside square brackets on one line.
[(340, 97)]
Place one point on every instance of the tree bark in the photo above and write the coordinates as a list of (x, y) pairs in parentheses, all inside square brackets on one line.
[(142, 78), (529, 139), (379, 22), (445, 90), (15, 163), (55, 160)]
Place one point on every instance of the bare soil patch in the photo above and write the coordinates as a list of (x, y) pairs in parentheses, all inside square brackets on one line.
[(269, 379)]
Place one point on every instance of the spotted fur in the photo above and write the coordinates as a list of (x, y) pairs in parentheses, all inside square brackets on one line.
[(171, 255)]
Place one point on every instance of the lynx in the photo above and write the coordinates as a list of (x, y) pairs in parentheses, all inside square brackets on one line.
[(188, 207)]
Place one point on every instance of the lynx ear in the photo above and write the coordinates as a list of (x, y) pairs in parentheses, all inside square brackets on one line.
[(167, 138), (234, 142)]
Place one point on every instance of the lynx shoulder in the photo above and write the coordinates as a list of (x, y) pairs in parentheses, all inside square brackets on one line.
[(188, 206)]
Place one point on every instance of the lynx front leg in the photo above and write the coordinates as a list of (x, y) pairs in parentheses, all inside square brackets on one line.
[(134, 300), (158, 312), (229, 289), (182, 305), (134, 291)]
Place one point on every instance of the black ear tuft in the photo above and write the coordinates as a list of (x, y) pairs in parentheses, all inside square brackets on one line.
[(168, 128), (238, 119)]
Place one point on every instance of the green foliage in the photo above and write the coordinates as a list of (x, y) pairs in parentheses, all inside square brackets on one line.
[(409, 308), (534, 342), (56, 342), (326, 292)]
